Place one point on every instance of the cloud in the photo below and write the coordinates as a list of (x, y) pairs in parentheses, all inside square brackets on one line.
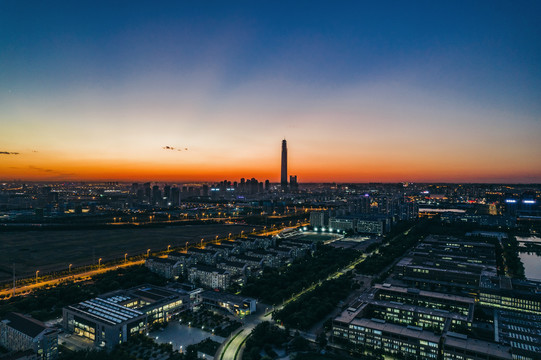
[(173, 148), (41, 169), (50, 171), (8, 153)]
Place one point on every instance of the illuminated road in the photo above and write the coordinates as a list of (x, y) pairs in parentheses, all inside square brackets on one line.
[(233, 346), (23, 290), (26, 289)]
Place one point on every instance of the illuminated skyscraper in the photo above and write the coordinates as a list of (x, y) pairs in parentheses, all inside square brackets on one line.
[(284, 165)]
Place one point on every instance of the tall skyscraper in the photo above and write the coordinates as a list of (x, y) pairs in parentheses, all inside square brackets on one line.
[(284, 165)]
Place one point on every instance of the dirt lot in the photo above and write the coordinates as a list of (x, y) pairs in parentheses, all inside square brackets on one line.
[(53, 250)]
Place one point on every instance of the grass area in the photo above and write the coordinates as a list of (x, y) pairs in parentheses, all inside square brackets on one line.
[(53, 250)]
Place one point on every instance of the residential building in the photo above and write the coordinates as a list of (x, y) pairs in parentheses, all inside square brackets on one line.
[(21, 333)]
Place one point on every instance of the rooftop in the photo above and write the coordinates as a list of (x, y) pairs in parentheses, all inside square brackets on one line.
[(105, 311), (424, 293), (478, 346), (25, 324)]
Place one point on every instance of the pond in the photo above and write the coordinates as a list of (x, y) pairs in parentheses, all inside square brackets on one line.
[(181, 335), (532, 265)]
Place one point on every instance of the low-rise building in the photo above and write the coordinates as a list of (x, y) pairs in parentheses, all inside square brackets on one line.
[(237, 305), (158, 303), (209, 276), (21, 333), (105, 323), (168, 268), (204, 256), (234, 267)]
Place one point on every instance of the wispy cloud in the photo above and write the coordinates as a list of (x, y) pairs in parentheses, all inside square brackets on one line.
[(8, 153), (174, 148), (50, 171)]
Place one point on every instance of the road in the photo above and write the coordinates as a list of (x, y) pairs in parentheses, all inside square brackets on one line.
[(232, 347), (23, 290)]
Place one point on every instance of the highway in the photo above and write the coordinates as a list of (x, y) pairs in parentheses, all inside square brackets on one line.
[(26, 289)]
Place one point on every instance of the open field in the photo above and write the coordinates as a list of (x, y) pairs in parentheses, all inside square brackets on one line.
[(51, 250)]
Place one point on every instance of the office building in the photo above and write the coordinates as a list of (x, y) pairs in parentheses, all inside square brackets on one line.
[(114, 317), (21, 333), (283, 178), (236, 305), (105, 323), (209, 276), (158, 303), (168, 268), (415, 324)]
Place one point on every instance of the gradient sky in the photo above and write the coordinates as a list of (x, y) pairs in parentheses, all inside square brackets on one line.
[(363, 91)]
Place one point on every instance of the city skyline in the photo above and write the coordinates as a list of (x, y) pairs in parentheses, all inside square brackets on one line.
[(193, 92)]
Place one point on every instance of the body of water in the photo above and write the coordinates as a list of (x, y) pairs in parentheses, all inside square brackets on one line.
[(532, 265), (181, 335)]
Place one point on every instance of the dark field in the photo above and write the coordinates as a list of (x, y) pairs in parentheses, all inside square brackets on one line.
[(51, 250)]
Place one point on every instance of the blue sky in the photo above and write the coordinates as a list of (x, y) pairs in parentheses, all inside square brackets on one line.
[(464, 76)]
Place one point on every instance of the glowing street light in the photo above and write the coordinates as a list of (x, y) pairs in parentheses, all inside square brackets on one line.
[(168, 247), (186, 246), (201, 243), (37, 271), (69, 268), (125, 258), (148, 252), (99, 262)]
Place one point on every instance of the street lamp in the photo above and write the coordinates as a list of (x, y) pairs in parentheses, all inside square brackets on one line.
[(168, 247), (69, 268), (148, 252), (201, 243), (229, 235), (186, 246), (125, 258), (99, 262), (37, 271)]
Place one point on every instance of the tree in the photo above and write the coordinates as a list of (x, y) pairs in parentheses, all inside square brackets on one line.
[(321, 340)]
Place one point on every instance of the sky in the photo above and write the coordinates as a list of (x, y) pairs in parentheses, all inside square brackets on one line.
[(387, 91)]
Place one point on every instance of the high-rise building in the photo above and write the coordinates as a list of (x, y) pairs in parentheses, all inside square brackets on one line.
[(284, 165)]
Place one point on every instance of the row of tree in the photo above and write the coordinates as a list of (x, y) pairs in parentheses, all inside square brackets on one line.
[(46, 304), (388, 252), (313, 306), (278, 285)]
